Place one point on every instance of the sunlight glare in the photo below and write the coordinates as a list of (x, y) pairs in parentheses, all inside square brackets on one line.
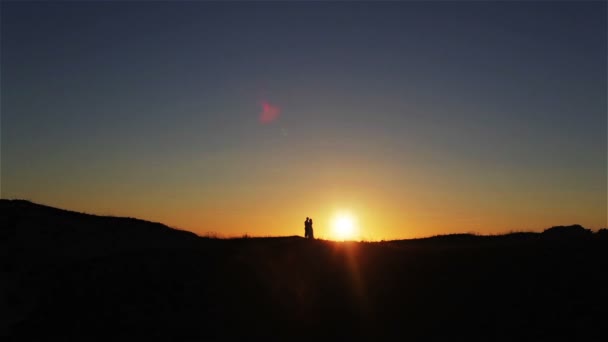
[(344, 226)]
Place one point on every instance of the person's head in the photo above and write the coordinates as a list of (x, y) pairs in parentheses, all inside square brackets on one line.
[(307, 219)]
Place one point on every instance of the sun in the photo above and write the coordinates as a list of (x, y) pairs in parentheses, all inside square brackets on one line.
[(343, 226)]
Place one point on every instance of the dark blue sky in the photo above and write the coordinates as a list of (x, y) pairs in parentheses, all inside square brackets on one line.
[(460, 102)]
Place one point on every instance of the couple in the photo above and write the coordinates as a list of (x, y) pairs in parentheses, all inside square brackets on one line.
[(308, 231)]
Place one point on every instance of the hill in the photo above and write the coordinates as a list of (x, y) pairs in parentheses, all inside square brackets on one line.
[(83, 277), (56, 231)]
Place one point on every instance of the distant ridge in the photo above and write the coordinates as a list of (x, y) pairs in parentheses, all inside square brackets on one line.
[(571, 233), (29, 225)]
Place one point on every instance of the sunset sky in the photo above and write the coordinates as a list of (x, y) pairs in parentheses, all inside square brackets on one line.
[(413, 119)]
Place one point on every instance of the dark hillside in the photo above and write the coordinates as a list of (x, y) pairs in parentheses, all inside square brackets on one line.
[(56, 231), (176, 286)]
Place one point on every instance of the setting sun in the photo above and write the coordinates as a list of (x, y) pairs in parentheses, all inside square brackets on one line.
[(344, 226)]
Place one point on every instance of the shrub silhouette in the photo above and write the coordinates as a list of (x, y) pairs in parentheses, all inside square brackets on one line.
[(566, 232)]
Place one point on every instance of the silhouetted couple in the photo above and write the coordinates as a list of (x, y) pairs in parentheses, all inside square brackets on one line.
[(308, 231)]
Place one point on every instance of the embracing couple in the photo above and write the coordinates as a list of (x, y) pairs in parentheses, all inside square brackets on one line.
[(308, 231)]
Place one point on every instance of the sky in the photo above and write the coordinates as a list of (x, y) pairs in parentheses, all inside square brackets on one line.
[(410, 119)]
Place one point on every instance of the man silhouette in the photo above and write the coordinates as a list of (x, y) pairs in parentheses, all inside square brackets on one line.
[(306, 228)]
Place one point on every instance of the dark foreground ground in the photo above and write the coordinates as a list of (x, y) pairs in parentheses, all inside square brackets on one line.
[(71, 276)]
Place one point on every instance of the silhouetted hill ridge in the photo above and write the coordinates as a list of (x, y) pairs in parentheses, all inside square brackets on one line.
[(30, 225), (42, 226)]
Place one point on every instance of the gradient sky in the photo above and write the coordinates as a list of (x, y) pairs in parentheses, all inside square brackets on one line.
[(418, 118)]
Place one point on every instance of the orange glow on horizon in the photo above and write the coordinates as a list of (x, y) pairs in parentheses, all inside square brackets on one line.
[(273, 199)]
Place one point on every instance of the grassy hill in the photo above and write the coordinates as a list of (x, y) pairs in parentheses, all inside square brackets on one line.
[(74, 276)]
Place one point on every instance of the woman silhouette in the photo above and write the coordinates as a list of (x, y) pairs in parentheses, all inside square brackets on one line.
[(311, 233)]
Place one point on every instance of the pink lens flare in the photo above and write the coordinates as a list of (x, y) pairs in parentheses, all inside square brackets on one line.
[(269, 112)]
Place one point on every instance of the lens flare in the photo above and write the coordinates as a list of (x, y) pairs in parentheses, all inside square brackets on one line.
[(269, 112)]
